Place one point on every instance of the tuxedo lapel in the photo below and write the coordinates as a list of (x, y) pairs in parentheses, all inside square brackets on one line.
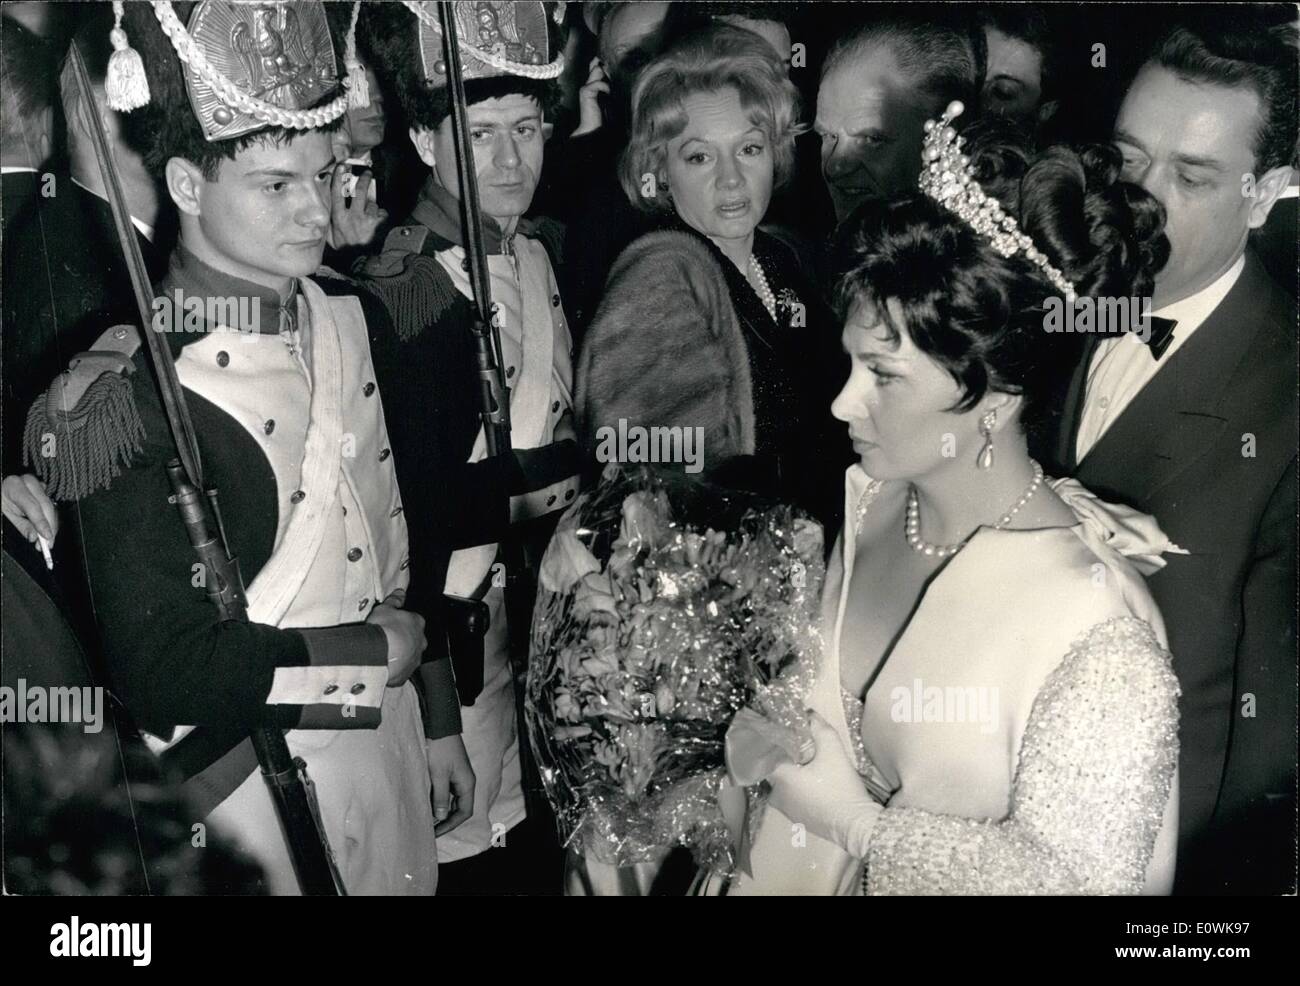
[(1176, 418), (1068, 433), (1163, 431)]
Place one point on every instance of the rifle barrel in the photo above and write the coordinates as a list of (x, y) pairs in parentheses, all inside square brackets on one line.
[(494, 392), (285, 776), (178, 414)]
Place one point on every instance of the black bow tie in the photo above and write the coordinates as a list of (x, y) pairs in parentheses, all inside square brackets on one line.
[(1161, 335)]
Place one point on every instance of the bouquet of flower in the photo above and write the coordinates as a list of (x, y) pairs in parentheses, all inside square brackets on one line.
[(665, 606)]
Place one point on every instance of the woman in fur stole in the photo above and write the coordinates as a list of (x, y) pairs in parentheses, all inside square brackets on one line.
[(707, 325)]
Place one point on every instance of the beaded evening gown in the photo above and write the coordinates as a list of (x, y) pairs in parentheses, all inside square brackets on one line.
[(1022, 732)]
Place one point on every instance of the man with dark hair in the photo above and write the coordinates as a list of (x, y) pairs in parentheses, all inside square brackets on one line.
[(27, 94), (1022, 63), (87, 817), (1198, 428), (423, 275), (280, 372), (879, 85)]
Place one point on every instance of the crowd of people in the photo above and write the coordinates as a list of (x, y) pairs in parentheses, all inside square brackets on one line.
[(828, 239)]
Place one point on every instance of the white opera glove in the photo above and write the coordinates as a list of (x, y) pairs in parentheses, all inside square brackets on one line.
[(827, 795)]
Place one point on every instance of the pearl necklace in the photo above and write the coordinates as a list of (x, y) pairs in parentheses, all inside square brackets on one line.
[(913, 529), (763, 289)]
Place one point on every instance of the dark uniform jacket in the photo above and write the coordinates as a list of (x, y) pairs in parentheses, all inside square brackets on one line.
[(434, 390), (171, 661), (64, 282)]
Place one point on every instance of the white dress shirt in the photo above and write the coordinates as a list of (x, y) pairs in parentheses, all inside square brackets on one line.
[(1122, 366)]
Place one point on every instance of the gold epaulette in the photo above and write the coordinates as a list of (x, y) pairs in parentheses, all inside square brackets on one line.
[(412, 285), (82, 432)]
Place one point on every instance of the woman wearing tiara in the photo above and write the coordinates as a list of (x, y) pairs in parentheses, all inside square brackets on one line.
[(995, 712)]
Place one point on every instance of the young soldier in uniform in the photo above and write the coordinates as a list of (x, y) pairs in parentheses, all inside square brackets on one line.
[(291, 427), (423, 274)]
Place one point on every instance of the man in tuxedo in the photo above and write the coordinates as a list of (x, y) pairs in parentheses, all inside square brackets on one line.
[(1198, 428), (479, 501)]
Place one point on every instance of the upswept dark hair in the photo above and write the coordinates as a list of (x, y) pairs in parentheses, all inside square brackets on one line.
[(978, 314), (1264, 60), (388, 41), (166, 127)]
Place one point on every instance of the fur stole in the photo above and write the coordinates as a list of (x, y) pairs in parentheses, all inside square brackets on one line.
[(667, 349)]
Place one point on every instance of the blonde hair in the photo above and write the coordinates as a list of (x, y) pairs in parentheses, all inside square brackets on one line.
[(711, 59)]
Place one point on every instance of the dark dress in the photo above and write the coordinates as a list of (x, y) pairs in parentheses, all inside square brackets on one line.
[(682, 340), (797, 370)]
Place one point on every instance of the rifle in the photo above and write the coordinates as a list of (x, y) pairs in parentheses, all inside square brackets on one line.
[(285, 776), (494, 393)]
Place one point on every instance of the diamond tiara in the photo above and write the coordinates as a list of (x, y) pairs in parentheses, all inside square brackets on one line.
[(946, 177)]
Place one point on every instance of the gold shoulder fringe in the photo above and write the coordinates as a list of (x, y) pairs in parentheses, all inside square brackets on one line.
[(76, 451), (417, 297)]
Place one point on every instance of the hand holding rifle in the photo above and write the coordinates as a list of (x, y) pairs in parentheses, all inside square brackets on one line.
[(404, 632)]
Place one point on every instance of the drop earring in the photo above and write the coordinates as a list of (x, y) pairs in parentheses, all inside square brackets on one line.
[(985, 460)]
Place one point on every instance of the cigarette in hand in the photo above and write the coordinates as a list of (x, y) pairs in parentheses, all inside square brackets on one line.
[(45, 550)]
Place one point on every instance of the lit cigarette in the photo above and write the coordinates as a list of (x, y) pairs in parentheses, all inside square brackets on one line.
[(45, 550)]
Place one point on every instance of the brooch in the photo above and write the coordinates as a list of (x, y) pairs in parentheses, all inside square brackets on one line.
[(790, 310)]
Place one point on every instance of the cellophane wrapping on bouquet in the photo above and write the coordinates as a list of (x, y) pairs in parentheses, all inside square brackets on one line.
[(665, 605)]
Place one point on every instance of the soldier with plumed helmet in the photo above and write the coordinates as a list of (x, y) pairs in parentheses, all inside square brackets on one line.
[(509, 65), (291, 420)]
